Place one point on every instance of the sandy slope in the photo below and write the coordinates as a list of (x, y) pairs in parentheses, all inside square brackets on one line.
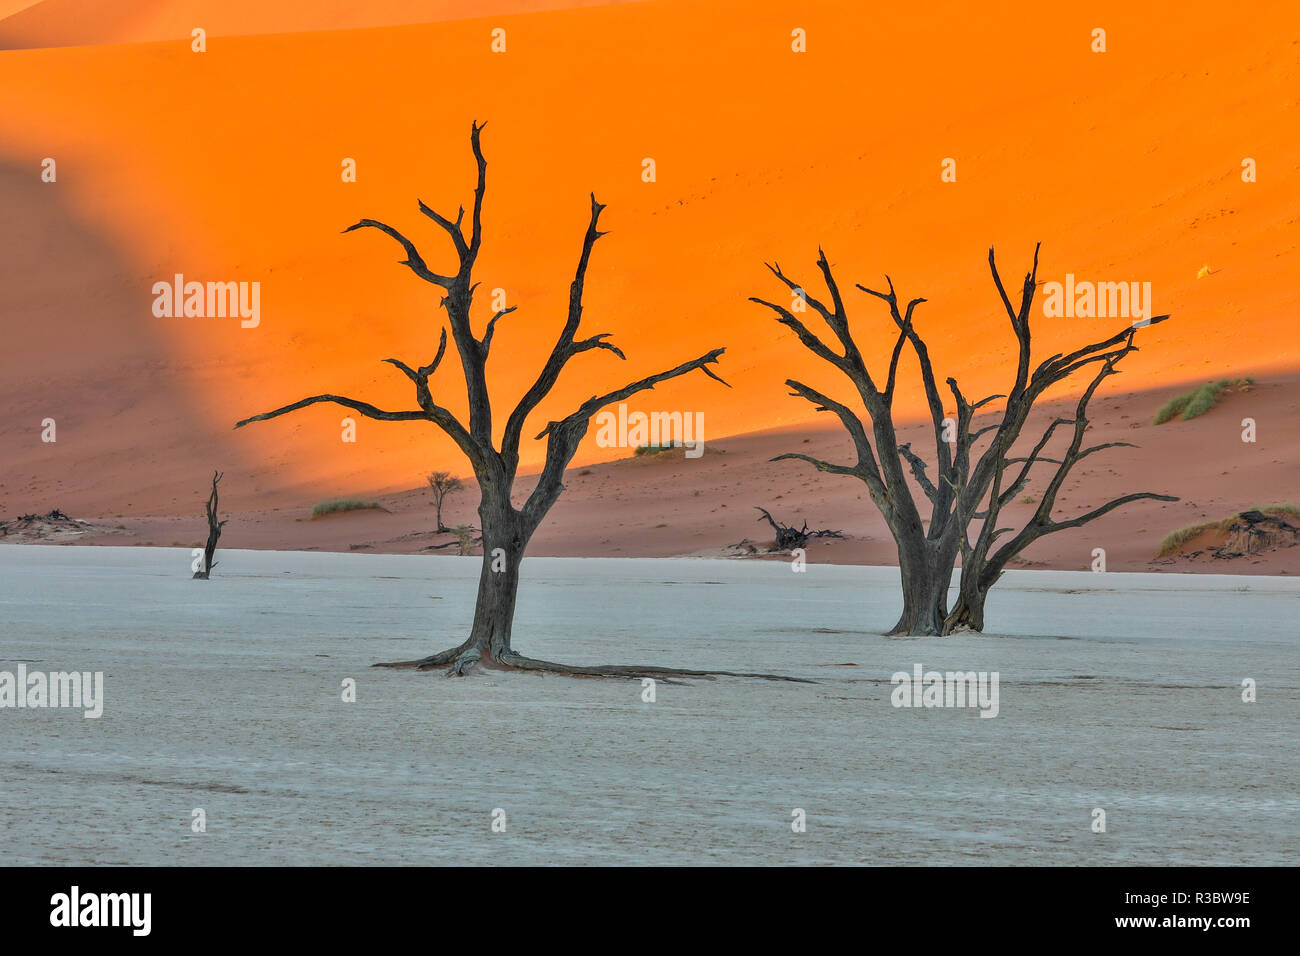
[(1117, 691), (669, 505), (30, 24), (9, 7)]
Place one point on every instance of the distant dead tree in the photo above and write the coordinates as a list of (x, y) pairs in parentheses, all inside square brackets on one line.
[(442, 484), (214, 530), (506, 529), (789, 537), (968, 486)]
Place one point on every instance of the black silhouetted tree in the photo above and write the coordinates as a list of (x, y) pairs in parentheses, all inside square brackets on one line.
[(506, 529), (970, 486), (214, 531), (442, 484)]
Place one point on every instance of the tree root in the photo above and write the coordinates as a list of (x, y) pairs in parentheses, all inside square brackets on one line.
[(441, 659), (459, 660), (519, 662)]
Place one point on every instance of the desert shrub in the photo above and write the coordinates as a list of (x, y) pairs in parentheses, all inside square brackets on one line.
[(1200, 400), (1175, 541), (655, 449), (335, 505), (1172, 409), (464, 538)]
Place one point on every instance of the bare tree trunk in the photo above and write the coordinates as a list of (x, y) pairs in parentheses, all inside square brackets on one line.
[(504, 540), (973, 590), (506, 532), (214, 532), (926, 568), (968, 613)]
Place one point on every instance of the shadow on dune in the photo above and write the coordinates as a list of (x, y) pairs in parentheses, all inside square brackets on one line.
[(80, 346)]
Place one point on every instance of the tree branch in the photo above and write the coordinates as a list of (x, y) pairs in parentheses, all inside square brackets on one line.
[(486, 343), (918, 470), (820, 465), (563, 349), (596, 403), (1104, 509), (564, 435), (363, 408), (413, 259), (806, 335)]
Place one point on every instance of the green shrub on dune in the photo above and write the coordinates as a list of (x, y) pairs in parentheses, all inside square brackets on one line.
[(1172, 409), (336, 505), (643, 450), (1200, 401)]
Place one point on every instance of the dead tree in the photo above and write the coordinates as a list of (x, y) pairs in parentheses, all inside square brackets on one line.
[(969, 486), (506, 529), (442, 484), (789, 537), (214, 531)]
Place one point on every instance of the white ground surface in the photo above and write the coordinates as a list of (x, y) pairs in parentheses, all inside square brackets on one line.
[(1119, 691)]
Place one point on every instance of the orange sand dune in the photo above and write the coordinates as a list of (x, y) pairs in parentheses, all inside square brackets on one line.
[(9, 7), (226, 166), (28, 24)]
